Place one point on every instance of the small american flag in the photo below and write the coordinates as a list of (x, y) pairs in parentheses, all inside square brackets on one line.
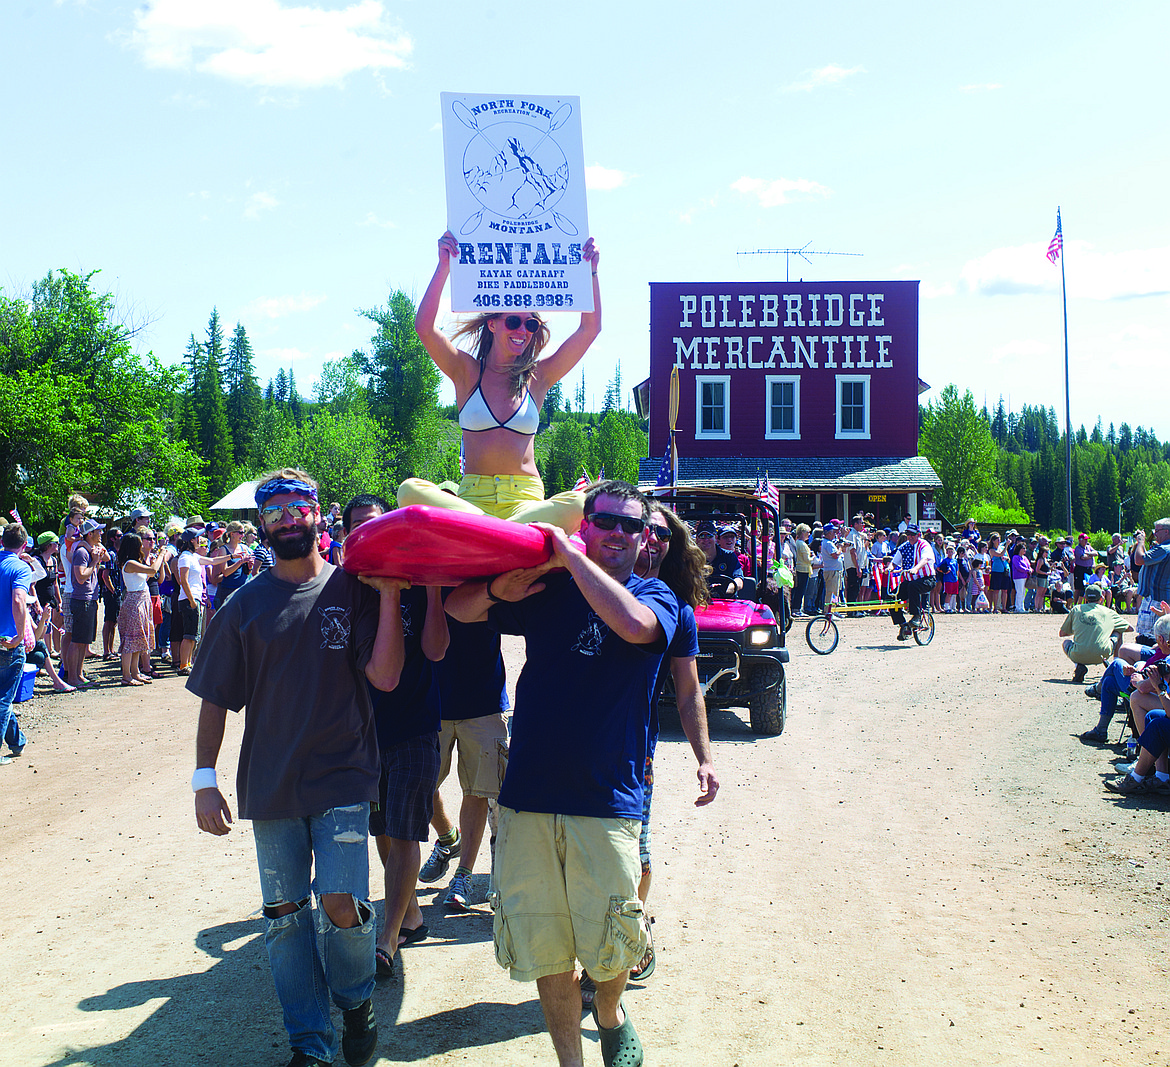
[(1057, 242), (665, 474), (601, 475), (462, 461), (16, 515), (767, 492), (584, 482)]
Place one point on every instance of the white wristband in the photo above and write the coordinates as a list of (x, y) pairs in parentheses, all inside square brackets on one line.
[(203, 778)]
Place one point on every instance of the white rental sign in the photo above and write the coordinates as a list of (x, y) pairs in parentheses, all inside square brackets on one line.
[(516, 202)]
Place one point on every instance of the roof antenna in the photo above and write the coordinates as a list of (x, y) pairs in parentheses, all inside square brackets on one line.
[(804, 253)]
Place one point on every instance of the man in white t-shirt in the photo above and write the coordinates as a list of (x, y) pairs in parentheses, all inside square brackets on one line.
[(189, 570)]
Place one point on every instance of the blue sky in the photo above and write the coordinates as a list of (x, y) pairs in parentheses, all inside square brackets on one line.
[(284, 163)]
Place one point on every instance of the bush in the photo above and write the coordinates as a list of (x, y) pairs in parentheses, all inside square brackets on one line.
[(991, 515)]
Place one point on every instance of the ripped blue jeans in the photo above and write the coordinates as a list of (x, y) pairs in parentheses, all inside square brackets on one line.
[(324, 853)]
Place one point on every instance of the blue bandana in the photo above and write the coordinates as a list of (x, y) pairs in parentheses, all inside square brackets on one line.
[(275, 486)]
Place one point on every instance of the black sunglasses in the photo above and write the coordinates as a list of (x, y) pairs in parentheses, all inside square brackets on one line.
[(512, 322), (630, 524), (661, 532)]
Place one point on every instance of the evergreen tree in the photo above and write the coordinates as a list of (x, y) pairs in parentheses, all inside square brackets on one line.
[(280, 390), (1124, 437), (1107, 496), (403, 388), (554, 400), (296, 405), (1080, 495), (215, 436), (1111, 437), (1097, 437), (1022, 484), (999, 423), (581, 395), (214, 344), (193, 361), (243, 395)]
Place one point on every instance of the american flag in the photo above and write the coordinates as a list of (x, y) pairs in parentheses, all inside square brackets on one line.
[(1057, 242), (601, 475), (665, 474), (462, 461), (584, 482), (16, 515), (767, 492)]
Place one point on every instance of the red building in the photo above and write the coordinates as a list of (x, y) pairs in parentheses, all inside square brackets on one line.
[(814, 385)]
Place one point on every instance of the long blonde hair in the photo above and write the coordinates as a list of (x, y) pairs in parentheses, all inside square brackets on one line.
[(522, 370)]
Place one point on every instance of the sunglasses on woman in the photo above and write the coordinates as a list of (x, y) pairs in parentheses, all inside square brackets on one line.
[(661, 532), (512, 322), (630, 524)]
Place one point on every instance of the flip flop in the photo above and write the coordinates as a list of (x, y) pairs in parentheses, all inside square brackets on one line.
[(384, 964), (646, 968), (620, 1047), (407, 936)]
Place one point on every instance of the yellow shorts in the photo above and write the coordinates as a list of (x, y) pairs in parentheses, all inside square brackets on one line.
[(480, 770), (518, 497), (567, 889)]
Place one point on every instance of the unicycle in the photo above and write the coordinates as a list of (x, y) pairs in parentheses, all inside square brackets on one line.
[(822, 636)]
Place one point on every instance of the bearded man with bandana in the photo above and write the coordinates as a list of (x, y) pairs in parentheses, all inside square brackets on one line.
[(294, 648)]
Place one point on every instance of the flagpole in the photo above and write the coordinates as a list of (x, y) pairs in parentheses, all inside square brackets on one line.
[(1067, 406)]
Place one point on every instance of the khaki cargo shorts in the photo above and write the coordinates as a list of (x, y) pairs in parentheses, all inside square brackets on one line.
[(481, 758), (566, 890)]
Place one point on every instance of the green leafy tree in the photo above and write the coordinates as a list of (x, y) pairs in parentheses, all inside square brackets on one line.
[(618, 445), (957, 440), (80, 409), (569, 450), (346, 453)]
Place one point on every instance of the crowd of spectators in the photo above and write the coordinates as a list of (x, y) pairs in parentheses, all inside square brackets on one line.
[(153, 586)]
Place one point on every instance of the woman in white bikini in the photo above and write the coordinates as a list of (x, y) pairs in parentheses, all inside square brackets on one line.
[(499, 390)]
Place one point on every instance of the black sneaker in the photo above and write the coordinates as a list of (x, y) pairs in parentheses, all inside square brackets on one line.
[(360, 1036), (303, 1059), (1079, 674), (439, 860)]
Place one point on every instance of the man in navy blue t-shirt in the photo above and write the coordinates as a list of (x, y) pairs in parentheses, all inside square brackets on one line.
[(567, 864)]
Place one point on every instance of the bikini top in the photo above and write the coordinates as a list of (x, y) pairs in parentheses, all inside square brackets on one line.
[(475, 415)]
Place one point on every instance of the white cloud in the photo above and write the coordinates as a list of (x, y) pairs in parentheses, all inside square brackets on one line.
[(779, 190), (257, 203), (822, 76), (982, 87), (706, 204), (372, 220), (265, 43), (930, 292), (1091, 274), (598, 177), (276, 307)]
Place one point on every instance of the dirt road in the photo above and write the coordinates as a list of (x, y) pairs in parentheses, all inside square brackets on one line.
[(924, 868)]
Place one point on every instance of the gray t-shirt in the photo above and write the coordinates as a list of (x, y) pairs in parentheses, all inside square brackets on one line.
[(83, 557), (294, 657), (830, 562)]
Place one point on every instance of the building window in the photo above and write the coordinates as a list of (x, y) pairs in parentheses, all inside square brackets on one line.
[(853, 406), (782, 407), (712, 404)]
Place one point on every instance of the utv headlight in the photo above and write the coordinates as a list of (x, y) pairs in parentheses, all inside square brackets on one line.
[(758, 636)]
